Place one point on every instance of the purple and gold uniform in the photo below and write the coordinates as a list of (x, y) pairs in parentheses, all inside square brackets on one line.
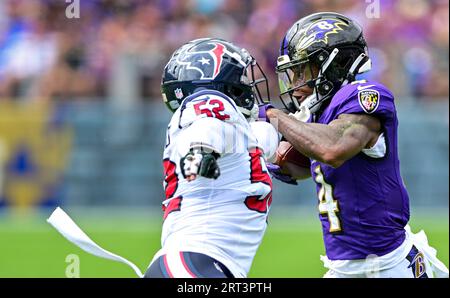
[(363, 204)]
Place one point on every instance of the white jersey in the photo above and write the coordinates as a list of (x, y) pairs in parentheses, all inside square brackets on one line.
[(224, 218)]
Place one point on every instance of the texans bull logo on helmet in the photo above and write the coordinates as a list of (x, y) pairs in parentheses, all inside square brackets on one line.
[(213, 64), (207, 59)]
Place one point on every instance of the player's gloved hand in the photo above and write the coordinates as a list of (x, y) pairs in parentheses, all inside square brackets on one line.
[(275, 171), (303, 114), (197, 162), (262, 116)]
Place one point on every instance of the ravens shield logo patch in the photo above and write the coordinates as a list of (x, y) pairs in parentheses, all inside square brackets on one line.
[(369, 100)]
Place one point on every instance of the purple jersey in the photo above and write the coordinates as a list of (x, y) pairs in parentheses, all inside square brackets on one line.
[(363, 204)]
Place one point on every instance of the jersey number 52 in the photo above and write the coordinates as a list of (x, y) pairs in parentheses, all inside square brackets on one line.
[(212, 108)]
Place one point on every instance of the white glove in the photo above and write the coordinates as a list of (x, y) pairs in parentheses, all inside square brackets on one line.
[(191, 164), (303, 114), (197, 162)]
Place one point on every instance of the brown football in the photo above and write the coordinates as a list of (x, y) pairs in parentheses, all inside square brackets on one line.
[(286, 153)]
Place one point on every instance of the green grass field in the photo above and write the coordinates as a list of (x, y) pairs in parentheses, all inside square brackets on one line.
[(29, 247)]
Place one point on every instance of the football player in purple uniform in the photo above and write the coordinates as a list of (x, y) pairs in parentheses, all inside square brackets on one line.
[(348, 129)]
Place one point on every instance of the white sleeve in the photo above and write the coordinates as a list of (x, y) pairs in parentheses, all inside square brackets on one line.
[(210, 133), (267, 137)]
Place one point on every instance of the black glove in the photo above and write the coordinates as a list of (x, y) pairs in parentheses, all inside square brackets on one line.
[(198, 162)]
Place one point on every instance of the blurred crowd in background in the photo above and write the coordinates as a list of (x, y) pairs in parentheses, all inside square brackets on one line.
[(45, 55), (94, 140)]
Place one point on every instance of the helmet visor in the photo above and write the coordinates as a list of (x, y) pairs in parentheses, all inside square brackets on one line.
[(295, 77)]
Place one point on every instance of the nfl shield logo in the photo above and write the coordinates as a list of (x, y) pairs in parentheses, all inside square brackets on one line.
[(179, 93), (369, 100)]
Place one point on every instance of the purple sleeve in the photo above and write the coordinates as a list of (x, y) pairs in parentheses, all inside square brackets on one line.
[(371, 99)]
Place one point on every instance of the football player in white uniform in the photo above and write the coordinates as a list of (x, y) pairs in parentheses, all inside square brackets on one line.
[(218, 191)]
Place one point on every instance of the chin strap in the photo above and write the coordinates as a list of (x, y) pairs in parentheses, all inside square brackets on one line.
[(247, 113), (254, 113)]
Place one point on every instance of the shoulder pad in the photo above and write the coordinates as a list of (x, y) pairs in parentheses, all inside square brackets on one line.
[(363, 97), (208, 103)]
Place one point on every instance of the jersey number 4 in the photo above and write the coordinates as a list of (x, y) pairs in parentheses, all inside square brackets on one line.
[(327, 204)]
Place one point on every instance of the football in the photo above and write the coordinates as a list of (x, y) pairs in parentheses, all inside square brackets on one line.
[(286, 153)]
